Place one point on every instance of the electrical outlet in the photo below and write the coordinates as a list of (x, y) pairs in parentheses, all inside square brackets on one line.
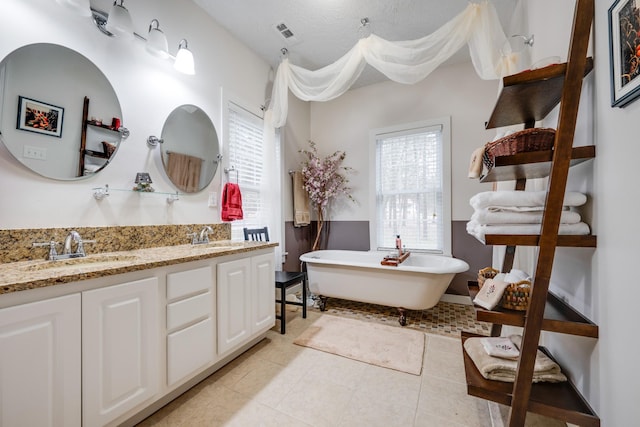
[(31, 152), (213, 199)]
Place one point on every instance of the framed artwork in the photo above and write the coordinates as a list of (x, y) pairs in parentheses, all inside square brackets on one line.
[(624, 50), (39, 117)]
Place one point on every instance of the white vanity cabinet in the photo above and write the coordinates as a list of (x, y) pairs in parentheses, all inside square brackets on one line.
[(120, 349), (245, 299), (110, 350), (40, 363), (190, 323)]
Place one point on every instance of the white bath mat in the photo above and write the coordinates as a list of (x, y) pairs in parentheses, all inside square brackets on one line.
[(381, 345)]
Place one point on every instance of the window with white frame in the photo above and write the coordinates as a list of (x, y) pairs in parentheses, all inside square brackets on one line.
[(412, 187), (247, 167)]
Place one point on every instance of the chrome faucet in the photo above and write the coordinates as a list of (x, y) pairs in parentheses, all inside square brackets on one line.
[(204, 234), (67, 251), (73, 236)]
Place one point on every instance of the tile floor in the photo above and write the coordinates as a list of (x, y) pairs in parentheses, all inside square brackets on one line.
[(277, 383)]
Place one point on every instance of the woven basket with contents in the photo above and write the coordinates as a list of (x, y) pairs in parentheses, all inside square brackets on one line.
[(486, 273), (516, 296), (532, 139)]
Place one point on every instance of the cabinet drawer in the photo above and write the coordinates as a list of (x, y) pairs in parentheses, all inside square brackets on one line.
[(189, 282), (189, 349), (182, 312)]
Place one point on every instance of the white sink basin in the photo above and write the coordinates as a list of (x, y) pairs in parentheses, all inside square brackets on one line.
[(90, 260), (224, 246)]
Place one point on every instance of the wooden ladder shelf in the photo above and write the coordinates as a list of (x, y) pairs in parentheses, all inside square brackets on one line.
[(526, 98)]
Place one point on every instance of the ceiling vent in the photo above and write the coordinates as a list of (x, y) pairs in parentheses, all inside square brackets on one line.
[(286, 33)]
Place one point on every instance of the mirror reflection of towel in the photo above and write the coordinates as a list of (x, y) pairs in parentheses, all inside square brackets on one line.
[(231, 202), (301, 213), (184, 171)]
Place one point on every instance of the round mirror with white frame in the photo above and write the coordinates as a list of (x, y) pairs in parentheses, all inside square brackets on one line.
[(59, 115), (190, 149)]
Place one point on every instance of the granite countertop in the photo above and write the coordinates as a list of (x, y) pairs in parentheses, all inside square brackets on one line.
[(23, 275)]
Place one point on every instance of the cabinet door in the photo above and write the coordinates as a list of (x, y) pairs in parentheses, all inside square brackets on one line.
[(120, 349), (263, 285), (189, 350), (233, 303), (40, 363)]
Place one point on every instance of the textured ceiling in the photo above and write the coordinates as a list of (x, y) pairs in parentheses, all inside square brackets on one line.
[(324, 30)]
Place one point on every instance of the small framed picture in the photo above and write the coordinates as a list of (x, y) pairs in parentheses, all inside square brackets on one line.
[(39, 117), (624, 51)]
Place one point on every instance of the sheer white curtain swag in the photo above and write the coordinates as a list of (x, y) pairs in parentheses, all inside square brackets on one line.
[(405, 62)]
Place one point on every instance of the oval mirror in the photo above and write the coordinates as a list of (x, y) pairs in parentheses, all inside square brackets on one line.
[(59, 115), (190, 148)]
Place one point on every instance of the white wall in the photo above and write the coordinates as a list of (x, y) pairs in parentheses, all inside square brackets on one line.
[(601, 282), (615, 260), (148, 90), (295, 137), (456, 91)]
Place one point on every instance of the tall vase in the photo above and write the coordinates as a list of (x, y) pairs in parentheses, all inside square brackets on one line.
[(317, 243)]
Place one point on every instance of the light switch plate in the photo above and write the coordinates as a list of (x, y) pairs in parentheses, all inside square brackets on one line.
[(213, 199), (31, 152)]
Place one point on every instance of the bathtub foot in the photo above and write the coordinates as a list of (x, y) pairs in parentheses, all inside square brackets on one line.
[(322, 304), (403, 316)]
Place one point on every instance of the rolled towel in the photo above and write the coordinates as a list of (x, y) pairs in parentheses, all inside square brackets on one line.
[(494, 217), (494, 368), (475, 165), (515, 276), (90, 167), (488, 199), (480, 230)]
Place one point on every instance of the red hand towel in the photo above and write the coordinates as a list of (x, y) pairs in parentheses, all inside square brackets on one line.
[(231, 202)]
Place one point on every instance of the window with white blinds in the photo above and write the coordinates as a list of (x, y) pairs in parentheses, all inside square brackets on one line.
[(247, 156), (411, 196)]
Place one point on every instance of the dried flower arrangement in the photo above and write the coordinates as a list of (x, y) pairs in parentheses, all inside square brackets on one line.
[(324, 179)]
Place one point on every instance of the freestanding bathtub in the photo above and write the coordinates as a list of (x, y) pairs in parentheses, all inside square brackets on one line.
[(416, 284)]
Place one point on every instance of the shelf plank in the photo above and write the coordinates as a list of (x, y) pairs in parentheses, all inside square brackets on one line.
[(558, 316), (101, 126), (530, 95), (533, 164), (564, 240), (556, 400), (98, 154)]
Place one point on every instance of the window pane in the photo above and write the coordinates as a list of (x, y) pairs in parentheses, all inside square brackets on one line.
[(246, 155), (409, 187)]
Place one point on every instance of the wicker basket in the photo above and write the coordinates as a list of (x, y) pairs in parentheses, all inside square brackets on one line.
[(486, 273), (516, 296), (533, 139)]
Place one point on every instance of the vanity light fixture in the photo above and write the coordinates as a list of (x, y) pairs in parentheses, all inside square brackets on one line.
[(156, 40), (184, 59), (119, 22), (81, 7)]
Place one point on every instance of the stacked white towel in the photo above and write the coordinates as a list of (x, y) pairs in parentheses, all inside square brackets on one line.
[(502, 347), (501, 369), (521, 212)]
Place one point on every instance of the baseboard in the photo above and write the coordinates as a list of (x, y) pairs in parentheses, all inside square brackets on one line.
[(456, 299)]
